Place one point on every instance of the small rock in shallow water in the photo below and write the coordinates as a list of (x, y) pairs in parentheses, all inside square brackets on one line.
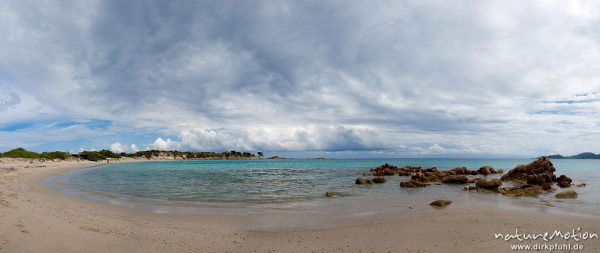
[(566, 195), (486, 170), (378, 180), (440, 203), (329, 194), (363, 181), (523, 190), (581, 185), (412, 184), (489, 185), (455, 179), (563, 181)]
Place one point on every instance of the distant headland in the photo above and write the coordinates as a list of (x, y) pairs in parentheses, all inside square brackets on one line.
[(585, 155)]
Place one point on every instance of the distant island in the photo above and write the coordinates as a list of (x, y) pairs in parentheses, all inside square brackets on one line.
[(146, 154), (585, 155)]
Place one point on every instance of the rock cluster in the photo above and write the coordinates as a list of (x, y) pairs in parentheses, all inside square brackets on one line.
[(539, 172), (531, 179)]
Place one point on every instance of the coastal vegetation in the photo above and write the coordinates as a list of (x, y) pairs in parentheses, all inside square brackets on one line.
[(22, 153), (146, 154)]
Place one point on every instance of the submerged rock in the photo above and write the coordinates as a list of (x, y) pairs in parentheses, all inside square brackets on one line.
[(329, 194), (523, 190), (566, 195), (378, 180), (363, 181), (413, 184), (440, 203), (455, 179)]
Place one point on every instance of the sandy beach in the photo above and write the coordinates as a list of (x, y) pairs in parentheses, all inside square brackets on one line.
[(37, 219)]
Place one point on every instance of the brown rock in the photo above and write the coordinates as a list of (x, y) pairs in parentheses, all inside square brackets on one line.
[(403, 173), (440, 203), (363, 181), (486, 170), (412, 184), (566, 195), (378, 180), (460, 171), (329, 194), (455, 179), (539, 179), (524, 190), (547, 187), (563, 181), (522, 172), (488, 185)]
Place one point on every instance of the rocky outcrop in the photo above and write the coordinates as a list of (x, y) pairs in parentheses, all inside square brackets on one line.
[(488, 185), (563, 181), (566, 195), (540, 179), (413, 184), (539, 171), (363, 181), (391, 170), (462, 171), (440, 203), (523, 190)]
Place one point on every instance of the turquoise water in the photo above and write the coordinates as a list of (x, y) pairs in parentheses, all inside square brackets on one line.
[(301, 184)]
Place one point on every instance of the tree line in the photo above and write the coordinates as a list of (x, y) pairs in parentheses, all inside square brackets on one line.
[(148, 154)]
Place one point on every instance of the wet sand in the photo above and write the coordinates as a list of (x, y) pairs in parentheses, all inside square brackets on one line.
[(35, 218)]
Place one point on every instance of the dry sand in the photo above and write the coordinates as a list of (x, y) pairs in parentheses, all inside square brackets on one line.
[(34, 218)]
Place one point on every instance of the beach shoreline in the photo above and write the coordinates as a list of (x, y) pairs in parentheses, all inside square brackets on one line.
[(36, 218)]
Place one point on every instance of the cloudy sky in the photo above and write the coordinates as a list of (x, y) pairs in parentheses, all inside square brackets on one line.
[(302, 78)]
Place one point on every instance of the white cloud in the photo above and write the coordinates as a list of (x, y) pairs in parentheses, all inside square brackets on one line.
[(160, 144), (134, 148), (435, 76), (118, 148), (274, 139)]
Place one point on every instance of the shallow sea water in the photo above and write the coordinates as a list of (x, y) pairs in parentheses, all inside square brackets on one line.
[(283, 192)]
